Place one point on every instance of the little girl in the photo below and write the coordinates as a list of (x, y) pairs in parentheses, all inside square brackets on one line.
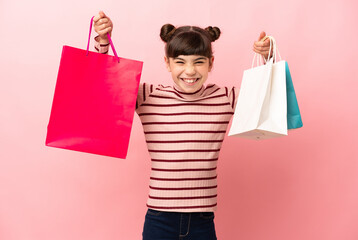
[(184, 127)]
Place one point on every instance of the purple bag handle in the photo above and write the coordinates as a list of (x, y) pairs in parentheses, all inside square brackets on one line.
[(109, 38)]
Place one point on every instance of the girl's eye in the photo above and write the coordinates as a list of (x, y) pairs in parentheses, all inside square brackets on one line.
[(179, 62), (199, 62)]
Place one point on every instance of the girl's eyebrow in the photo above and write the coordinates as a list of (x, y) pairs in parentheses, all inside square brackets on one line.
[(179, 58), (199, 58)]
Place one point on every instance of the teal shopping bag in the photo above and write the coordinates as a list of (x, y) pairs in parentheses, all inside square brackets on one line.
[(294, 119)]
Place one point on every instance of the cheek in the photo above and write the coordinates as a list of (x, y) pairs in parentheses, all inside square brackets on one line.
[(204, 70), (176, 71), (175, 75)]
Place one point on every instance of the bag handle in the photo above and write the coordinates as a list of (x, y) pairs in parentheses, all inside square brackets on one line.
[(275, 49), (274, 52), (109, 38)]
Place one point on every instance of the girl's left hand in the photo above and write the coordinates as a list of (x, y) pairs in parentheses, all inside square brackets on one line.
[(262, 47)]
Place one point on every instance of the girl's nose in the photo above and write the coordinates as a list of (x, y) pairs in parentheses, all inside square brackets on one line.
[(190, 70)]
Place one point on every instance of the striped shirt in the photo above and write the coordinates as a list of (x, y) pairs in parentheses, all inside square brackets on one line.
[(184, 133)]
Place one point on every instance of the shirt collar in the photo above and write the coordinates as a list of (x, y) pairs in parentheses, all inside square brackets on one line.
[(195, 94)]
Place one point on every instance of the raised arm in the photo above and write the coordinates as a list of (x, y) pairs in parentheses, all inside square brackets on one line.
[(102, 26)]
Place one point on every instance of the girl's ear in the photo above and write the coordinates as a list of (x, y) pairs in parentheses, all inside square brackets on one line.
[(211, 62), (167, 64)]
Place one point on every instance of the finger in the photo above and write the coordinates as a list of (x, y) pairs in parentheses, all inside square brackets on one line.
[(255, 50), (102, 21), (102, 14), (266, 42), (262, 35), (103, 26), (262, 51), (99, 16), (104, 31), (261, 46), (100, 25), (265, 49), (96, 18)]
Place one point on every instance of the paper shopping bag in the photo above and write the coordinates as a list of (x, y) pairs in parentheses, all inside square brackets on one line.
[(294, 119), (94, 102), (261, 109)]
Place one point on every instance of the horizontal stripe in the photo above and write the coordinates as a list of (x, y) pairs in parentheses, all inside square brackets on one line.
[(184, 160), (183, 198), (209, 86), (185, 113), (186, 141), (182, 179), (187, 188), (170, 92), (103, 52), (104, 45), (174, 132), (186, 122), (216, 91), (183, 207), (185, 104), (183, 170), (185, 150), (200, 99)]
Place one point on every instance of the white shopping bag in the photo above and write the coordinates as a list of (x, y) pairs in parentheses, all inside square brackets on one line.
[(261, 109)]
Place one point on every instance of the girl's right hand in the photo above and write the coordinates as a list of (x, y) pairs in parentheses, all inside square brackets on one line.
[(102, 26)]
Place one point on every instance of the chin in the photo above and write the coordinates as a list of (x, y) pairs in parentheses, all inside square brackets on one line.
[(190, 89)]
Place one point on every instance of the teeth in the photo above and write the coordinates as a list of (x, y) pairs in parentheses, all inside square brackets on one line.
[(189, 80)]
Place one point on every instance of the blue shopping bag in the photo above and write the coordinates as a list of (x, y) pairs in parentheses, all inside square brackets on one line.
[(294, 119)]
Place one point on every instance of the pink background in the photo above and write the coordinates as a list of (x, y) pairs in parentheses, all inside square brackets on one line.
[(304, 186)]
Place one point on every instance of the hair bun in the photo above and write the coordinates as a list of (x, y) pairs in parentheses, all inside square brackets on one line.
[(214, 32), (166, 32)]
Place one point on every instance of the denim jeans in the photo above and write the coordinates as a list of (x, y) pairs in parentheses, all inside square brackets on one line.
[(160, 225)]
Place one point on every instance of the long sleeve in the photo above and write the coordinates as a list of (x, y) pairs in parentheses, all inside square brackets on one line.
[(101, 48), (143, 92), (232, 94)]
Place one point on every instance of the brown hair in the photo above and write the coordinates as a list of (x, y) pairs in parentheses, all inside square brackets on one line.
[(188, 40)]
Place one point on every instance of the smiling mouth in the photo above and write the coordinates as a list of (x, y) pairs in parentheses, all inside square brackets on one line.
[(190, 81)]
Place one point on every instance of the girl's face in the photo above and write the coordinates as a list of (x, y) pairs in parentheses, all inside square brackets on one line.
[(189, 72)]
